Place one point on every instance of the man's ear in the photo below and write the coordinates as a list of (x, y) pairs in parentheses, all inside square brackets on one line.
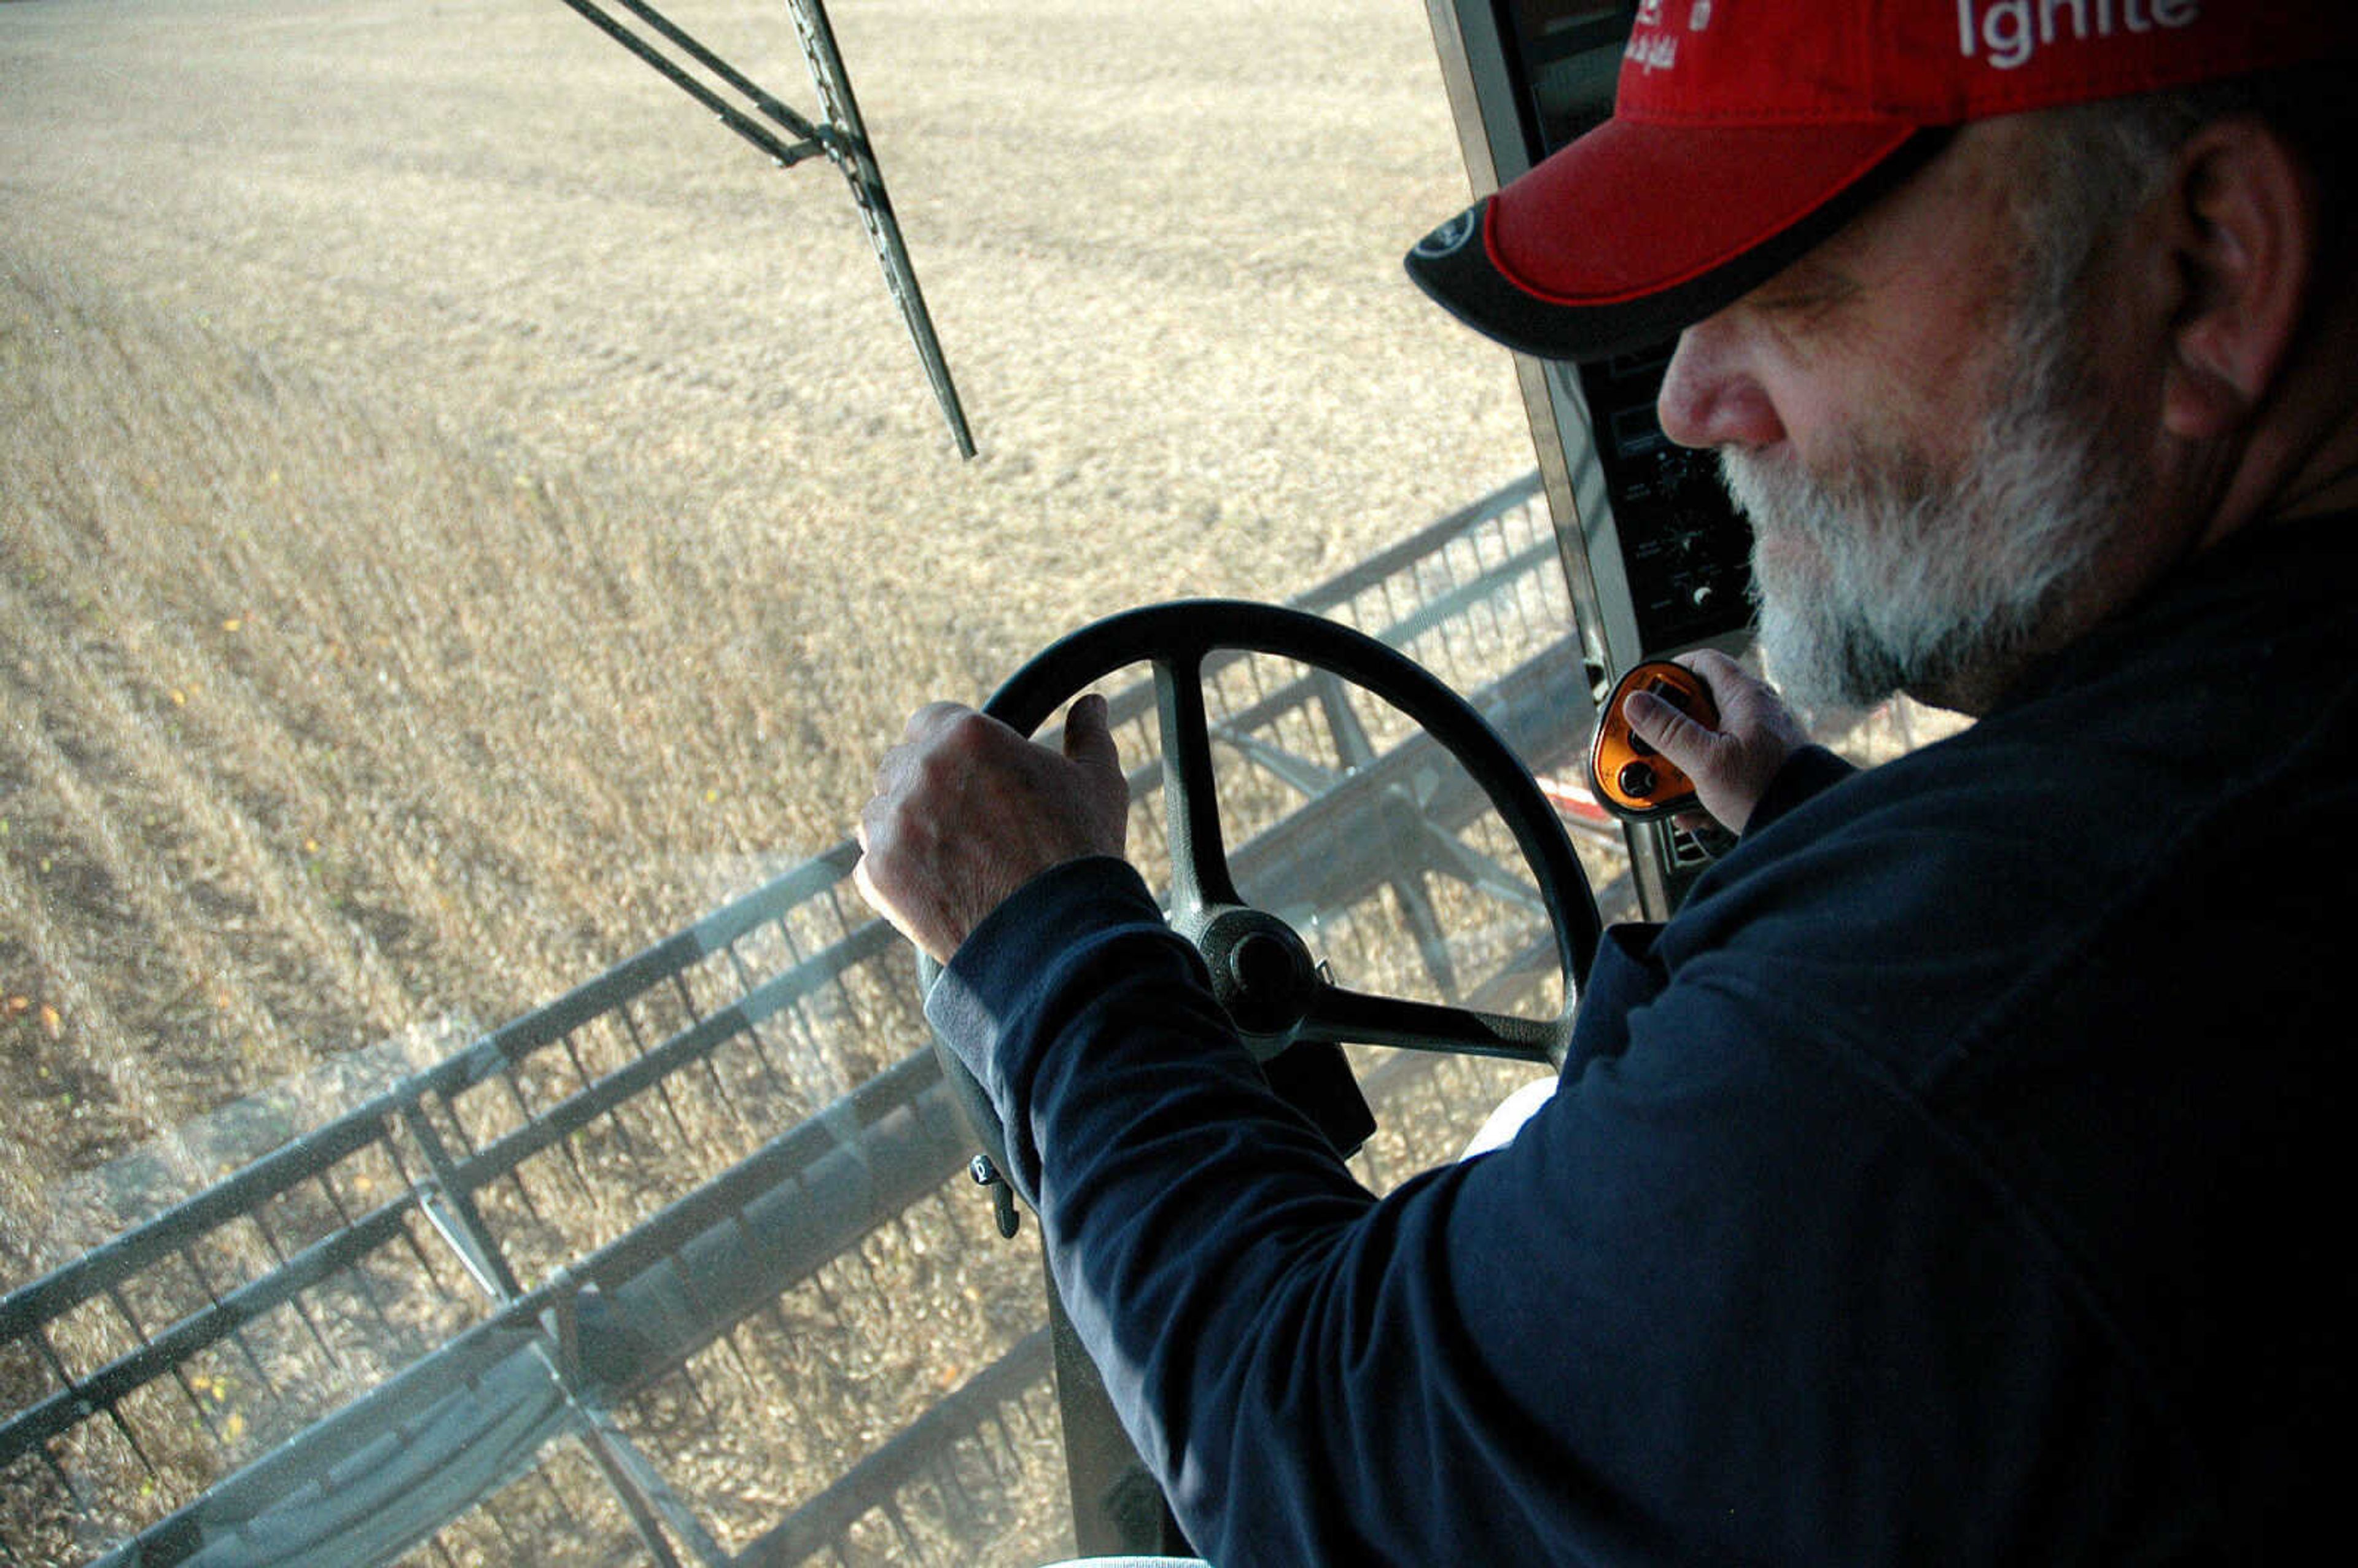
[(2241, 228)]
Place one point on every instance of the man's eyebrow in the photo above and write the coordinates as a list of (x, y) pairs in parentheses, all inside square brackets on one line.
[(1810, 284)]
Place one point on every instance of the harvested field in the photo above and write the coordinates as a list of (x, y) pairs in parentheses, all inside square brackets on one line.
[(462, 513)]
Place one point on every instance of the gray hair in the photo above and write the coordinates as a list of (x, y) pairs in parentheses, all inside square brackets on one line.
[(2098, 163)]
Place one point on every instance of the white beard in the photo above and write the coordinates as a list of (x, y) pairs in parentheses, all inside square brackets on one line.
[(1890, 574)]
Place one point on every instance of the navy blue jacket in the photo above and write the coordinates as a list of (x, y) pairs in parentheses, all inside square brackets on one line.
[(1957, 1178)]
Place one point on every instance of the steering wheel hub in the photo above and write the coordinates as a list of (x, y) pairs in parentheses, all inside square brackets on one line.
[(1262, 974)]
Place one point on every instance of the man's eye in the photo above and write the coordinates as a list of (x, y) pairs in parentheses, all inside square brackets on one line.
[(1808, 298)]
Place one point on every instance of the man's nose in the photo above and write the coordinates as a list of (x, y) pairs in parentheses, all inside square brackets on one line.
[(1710, 398)]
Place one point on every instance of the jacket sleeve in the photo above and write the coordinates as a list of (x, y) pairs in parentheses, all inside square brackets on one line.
[(1807, 774), (1690, 1313)]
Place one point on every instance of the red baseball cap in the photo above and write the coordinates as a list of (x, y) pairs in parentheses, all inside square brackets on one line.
[(1746, 131)]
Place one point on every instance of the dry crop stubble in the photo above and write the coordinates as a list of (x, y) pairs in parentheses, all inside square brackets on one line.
[(462, 514), (316, 721), (462, 506), (205, 667)]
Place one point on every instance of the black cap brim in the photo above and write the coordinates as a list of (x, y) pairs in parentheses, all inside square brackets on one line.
[(1456, 266)]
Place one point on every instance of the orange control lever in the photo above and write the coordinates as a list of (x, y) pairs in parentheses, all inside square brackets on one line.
[(1631, 779)]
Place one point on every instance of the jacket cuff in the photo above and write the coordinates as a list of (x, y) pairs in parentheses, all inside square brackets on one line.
[(1807, 774), (991, 991)]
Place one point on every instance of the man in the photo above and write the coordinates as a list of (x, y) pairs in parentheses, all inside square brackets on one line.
[(1956, 1178)]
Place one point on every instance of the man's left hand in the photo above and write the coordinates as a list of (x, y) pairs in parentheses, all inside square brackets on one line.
[(1732, 765), (966, 811)]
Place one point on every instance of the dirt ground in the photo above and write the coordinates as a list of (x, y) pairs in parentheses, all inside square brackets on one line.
[(454, 496)]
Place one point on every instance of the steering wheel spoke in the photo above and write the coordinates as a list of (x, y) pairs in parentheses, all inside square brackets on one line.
[(1344, 1017), (1190, 800)]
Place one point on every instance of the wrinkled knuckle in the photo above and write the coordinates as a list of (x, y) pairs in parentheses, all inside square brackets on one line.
[(968, 735), (896, 827), (936, 771), (971, 725)]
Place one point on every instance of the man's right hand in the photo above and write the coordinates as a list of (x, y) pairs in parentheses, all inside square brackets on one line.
[(1731, 765), (966, 811)]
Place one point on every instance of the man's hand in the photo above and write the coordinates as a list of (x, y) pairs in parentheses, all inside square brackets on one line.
[(1731, 765), (966, 811)]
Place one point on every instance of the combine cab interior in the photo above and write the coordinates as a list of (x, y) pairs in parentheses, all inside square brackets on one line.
[(526, 1303)]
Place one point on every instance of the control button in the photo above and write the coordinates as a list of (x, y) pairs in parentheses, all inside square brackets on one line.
[(1629, 778)]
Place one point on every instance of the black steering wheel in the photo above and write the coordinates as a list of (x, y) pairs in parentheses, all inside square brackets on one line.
[(1262, 969)]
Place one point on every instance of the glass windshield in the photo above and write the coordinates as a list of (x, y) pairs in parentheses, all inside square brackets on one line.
[(469, 526)]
